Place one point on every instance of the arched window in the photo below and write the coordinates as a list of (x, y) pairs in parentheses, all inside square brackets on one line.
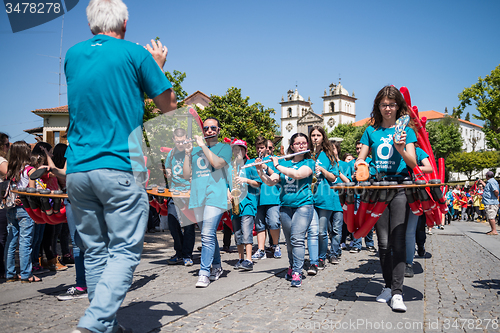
[(289, 112), (332, 107)]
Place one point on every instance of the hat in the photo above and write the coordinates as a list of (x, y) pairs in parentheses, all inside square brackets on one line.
[(490, 174), (238, 142), (242, 143)]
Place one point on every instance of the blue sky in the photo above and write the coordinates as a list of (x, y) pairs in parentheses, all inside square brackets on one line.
[(435, 48)]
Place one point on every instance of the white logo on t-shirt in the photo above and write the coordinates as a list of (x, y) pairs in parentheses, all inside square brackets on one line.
[(386, 146)]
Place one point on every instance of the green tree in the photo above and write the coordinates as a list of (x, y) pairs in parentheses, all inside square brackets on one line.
[(239, 119), (350, 134), (485, 94), (467, 117), (445, 137), (472, 163), (176, 78)]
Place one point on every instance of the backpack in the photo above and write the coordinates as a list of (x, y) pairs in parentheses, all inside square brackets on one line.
[(7, 197)]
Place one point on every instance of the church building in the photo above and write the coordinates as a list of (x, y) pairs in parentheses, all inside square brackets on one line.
[(297, 114)]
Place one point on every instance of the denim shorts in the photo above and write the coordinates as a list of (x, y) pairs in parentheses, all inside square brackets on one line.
[(267, 216), (243, 229)]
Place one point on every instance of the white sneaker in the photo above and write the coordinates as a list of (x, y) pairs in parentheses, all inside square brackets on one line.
[(203, 281), (215, 273), (385, 296), (397, 303)]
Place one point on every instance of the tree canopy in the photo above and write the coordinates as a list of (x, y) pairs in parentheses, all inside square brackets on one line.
[(485, 94), (176, 78), (239, 119), (473, 162), (350, 134), (445, 137)]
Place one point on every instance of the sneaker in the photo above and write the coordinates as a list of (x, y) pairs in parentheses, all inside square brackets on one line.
[(355, 250), (321, 264), (37, 268), (81, 330), (73, 293), (203, 281), (429, 232), (385, 296), (259, 255), (68, 259), (175, 260), (334, 260), (188, 262), (442, 228), (296, 280), (288, 275), (238, 264), (371, 249), (409, 271), (215, 273), (277, 252), (421, 251), (55, 265), (246, 265), (397, 303), (313, 270), (343, 246)]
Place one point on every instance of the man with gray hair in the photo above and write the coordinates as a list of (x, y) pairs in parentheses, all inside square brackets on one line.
[(490, 200), (107, 78)]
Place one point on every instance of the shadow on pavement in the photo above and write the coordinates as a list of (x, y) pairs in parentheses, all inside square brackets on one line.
[(487, 284), (147, 316)]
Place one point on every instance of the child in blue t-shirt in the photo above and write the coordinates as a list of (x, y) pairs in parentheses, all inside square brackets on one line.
[(296, 211), (390, 158), (181, 228)]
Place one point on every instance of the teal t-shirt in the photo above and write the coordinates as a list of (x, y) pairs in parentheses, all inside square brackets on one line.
[(107, 78), (385, 157), (421, 155), (325, 197), (269, 195), (346, 169), (175, 163), (208, 185), (248, 206), (296, 192)]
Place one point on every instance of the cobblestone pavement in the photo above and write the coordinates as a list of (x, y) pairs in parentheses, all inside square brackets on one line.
[(455, 289)]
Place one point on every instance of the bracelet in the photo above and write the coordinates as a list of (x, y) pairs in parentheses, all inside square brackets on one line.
[(276, 166)]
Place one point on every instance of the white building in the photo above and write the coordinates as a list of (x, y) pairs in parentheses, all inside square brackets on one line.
[(297, 114)]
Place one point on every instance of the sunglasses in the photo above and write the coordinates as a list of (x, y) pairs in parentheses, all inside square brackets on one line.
[(213, 128)]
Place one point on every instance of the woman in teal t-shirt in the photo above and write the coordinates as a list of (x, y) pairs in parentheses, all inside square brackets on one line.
[(296, 211), (390, 159), (326, 200)]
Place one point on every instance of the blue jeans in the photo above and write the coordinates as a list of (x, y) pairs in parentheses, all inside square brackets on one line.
[(36, 242), (210, 252), (243, 229), (111, 214), (335, 228), (295, 222), (317, 235), (20, 228), (357, 242), (411, 230), (78, 252)]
